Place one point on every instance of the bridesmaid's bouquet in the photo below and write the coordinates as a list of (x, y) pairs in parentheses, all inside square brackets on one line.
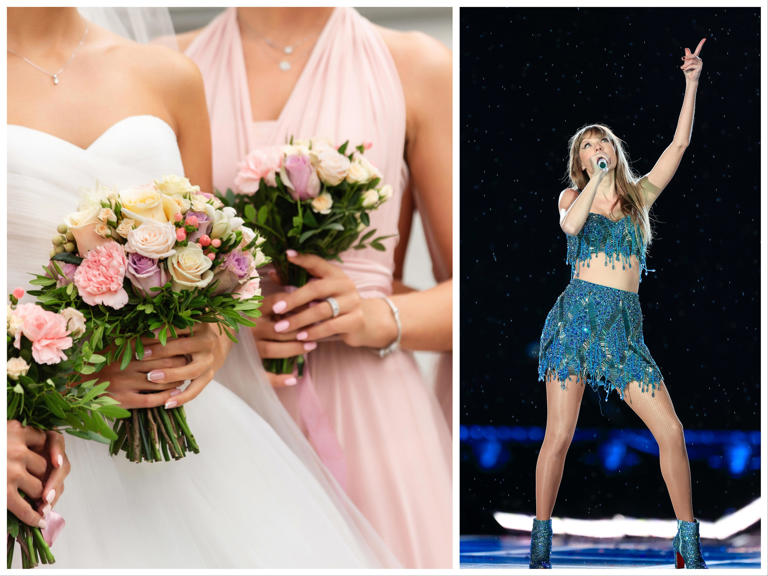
[(311, 197), (47, 388), (145, 262)]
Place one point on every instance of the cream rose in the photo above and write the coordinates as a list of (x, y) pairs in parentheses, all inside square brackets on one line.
[(107, 215), (173, 205), (370, 198), (331, 166), (84, 217), (17, 367), (190, 268), (152, 239), (143, 203), (322, 204), (85, 226), (75, 321), (225, 221), (361, 171), (385, 193), (174, 185), (125, 227)]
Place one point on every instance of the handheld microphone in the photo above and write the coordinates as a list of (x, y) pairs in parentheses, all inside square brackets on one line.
[(602, 163)]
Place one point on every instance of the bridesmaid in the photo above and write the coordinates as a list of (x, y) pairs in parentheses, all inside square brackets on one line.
[(275, 72)]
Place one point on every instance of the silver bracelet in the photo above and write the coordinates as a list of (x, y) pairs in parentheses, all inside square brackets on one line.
[(396, 343)]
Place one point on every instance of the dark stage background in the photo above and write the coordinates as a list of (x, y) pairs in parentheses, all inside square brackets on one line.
[(529, 79)]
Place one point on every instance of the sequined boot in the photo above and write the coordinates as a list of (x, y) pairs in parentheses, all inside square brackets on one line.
[(541, 543), (687, 545)]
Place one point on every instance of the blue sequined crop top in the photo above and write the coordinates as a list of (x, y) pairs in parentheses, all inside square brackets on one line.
[(619, 240)]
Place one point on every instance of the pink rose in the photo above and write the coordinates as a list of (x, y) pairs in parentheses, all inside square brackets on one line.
[(48, 333), (260, 163), (248, 290), (99, 278), (87, 239), (300, 177), (145, 273)]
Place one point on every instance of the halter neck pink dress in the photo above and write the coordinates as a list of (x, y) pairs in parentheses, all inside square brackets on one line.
[(393, 436)]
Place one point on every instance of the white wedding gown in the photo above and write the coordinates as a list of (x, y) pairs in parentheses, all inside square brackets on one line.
[(247, 500)]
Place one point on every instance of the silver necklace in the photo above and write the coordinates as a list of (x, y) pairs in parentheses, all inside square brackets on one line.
[(54, 75), (287, 50)]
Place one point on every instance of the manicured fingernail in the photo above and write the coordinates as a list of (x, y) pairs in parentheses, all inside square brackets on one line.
[(59, 460), (147, 353), (47, 508), (291, 253), (302, 336), (175, 392), (290, 381), (155, 375), (50, 496), (187, 382), (281, 326), (280, 306), (309, 346), (42, 524), (170, 404)]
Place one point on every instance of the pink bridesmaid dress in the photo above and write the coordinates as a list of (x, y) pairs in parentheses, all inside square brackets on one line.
[(393, 438)]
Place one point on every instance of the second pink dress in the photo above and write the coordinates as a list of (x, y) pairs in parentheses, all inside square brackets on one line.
[(395, 441)]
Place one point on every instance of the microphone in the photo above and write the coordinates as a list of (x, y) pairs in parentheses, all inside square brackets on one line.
[(602, 163)]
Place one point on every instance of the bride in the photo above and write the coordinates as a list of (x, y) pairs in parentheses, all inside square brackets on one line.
[(88, 107)]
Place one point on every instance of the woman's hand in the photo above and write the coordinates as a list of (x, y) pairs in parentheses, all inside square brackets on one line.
[(692, 64), (29, 452)]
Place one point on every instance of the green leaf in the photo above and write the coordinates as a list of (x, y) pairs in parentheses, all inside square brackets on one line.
[(343, 148), (263, 214), (334, 226), (250, 213), (112, 411), (308, 234), (378, 246), (365, 219), (68, 257), (126, 356)]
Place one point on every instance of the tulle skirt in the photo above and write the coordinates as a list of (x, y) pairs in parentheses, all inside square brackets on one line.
[(246, 501), (596, 333)]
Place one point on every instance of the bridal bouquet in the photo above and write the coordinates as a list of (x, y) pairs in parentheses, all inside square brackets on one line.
[(145, 262), (47, 389), (311, 197)]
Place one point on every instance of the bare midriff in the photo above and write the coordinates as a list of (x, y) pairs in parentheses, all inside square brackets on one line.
[(598, 272)]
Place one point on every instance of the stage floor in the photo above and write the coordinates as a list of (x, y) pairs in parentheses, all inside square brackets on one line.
[(741, 551)]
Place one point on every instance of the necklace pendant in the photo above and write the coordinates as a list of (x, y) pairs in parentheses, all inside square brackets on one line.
[(55, 80), (288, 49), (285, 65)]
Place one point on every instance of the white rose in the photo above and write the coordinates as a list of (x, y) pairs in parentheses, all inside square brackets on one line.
[(200, 203), (299, 147), (75, 321), (190, 268), (385, 193), (173, 205), (103, 230), (370, 198), (331, 166), (175, 186), (259, 258), (152, 239), (322, 203), (83, 217), (17, 367), (97, 196), (143, 203), (15, 322), (362, 171), (125, 226), (225, 221)]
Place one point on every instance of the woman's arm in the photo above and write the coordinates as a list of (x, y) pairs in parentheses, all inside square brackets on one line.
[(667, 164), (574, 207)]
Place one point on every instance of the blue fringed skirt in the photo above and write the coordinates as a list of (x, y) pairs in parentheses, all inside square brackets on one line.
[(595, 332)]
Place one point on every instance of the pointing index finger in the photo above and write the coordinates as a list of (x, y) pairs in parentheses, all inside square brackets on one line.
[(698, 48)]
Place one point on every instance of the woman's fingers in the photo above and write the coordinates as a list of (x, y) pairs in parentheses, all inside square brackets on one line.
[(34, 438), (320, 312), (130, 400), (195, 387), (315, 290), (316, 266), (23, 510), (31, 485), (199, 364), (54, 485), (144, 366), (342, 325), (36, 464), (698, 48), (271, 349), (282, 380)]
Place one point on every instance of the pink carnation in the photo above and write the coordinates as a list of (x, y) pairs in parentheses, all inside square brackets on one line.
[(260, 163), (248, 290), (48, 333), (99, 278)]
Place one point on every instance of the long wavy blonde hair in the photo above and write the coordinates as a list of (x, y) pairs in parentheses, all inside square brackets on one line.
[(627, 185)]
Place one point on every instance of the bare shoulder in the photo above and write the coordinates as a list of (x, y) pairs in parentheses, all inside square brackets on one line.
[(567, 197), (164, 67), (422, 61), (185, 39)]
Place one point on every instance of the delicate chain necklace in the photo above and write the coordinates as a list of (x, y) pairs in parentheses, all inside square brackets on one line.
[(287, 50), (54, 75)]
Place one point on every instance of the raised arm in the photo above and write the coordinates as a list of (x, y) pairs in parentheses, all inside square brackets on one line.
[(574, 206), (667, 164)]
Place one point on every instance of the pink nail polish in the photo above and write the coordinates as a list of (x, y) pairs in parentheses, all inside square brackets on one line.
[(291, 253), (50, 496), (175, 392), (42, 524), (309, 346), (290, 381), (302, 336), (280, 306), (59, 460), (155, 375), (46, 509), (170, 404), (281, 326), (147, 353)]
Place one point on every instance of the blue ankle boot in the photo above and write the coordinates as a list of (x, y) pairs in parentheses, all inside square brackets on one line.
[(687, 546), (541, 543)]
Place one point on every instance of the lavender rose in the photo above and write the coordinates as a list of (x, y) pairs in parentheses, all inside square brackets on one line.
[(233, 271), (67, 275), (300, 177), (145, 273)]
